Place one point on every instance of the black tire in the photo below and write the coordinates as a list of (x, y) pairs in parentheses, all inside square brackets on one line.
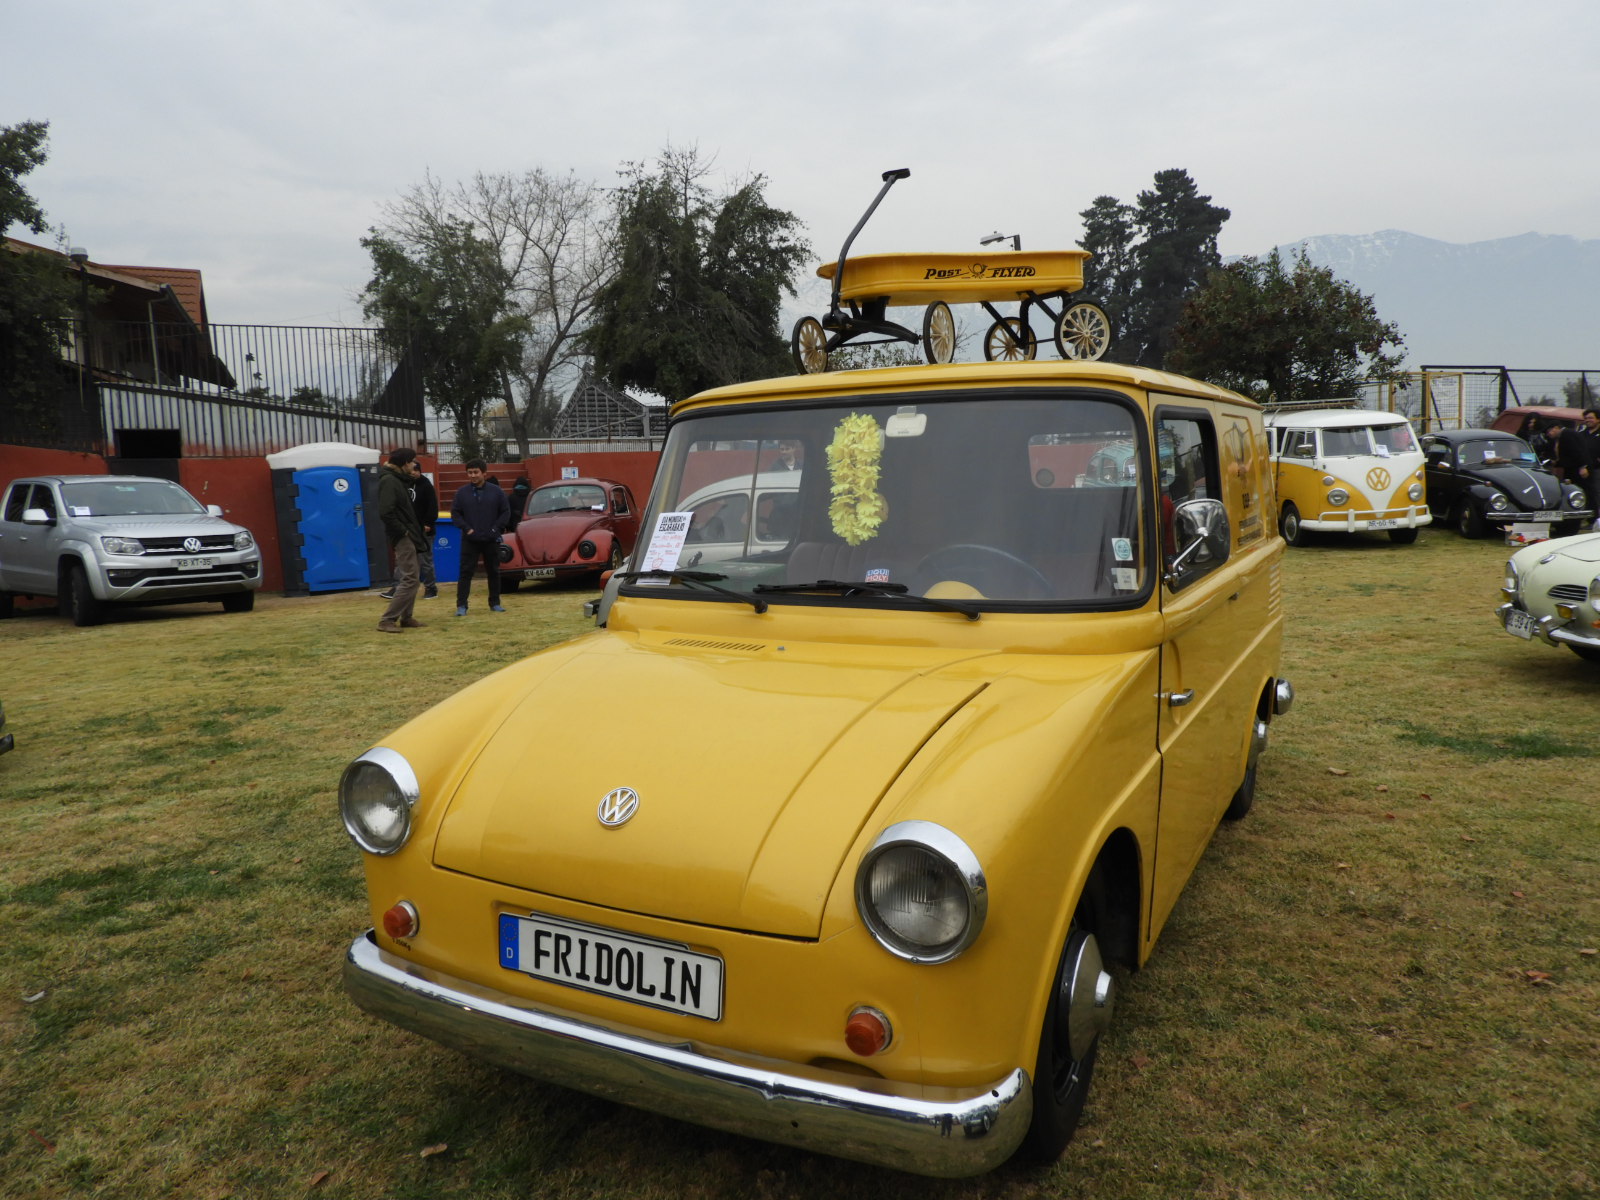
[(1469, 521), (85, 608), (1566, 528), (1243, 799), (6, 606), (1402, 537), (1083, 332), (616, 556), (1060, 1081), (1009, 340), (809, 345), (1289, 525), (239, 602), (938, 333), (1587, 653)]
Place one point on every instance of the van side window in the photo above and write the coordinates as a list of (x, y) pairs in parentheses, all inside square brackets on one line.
[(1187, 466)]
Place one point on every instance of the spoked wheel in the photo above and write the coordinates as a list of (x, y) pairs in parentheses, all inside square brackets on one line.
[(938, 333), (1009, 340), (1078, 1015), (1083, 332), (810, 346)]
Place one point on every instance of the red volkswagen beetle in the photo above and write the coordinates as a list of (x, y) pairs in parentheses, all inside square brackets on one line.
[(573, 527)]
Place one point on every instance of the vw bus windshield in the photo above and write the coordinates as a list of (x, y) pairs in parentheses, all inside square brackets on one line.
[(1361, 441), (997, 500)]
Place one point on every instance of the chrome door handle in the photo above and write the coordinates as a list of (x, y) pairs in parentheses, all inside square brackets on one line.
[(1179, 699)]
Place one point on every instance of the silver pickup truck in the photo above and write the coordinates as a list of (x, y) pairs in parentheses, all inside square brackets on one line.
[(95, 541)]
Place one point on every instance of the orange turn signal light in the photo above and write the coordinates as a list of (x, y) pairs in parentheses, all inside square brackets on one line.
[(402, 921), (867, 1032)]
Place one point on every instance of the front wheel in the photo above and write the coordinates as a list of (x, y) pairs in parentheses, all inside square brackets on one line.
[(1009, 340), (1083, 332), (1469, 521), (938, 333), (1587, 653), (1289, 525), (239, 602), (1402, 537), (86, 608), (616, 557), (809, 344)]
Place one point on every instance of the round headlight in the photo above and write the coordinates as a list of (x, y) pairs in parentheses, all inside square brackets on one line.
[(242, 540), (1576, 499), (921, 892), (1498, 502), (1414, 492), (1338, 496), (376, 795), (122, 545)]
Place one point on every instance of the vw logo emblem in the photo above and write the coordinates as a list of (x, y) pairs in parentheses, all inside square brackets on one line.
[(1377, 478), (619, 804), (191, 544)]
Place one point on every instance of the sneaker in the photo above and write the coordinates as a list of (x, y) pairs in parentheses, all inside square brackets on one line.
[(461, 610), (389, 595), (496, 608), (388, 627), (431, 593)]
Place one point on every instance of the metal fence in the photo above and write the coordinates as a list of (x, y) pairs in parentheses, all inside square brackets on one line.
[(1464, 397)]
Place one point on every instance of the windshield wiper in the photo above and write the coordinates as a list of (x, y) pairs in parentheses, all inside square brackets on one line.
[(703, 579), (865, 587)]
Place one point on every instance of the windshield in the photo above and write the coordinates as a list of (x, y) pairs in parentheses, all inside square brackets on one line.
[(1364, 441), (1003, 499), (570, 495), (129, 498), (1497, 452)]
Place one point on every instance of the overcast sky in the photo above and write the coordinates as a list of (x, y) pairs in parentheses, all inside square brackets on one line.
[(259, 141)]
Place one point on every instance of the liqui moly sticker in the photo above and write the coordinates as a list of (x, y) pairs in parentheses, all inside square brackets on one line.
[(878, 575), (666, 544)]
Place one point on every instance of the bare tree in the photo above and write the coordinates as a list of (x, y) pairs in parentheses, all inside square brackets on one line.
[(554, 239)]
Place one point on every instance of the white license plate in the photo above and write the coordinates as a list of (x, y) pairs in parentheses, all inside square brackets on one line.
[(1521, 624), (659, 974), (1384, 523), (195, 564), (539, 573), (1543, 516)]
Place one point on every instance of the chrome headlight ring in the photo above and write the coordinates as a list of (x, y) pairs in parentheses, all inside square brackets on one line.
[(376, 795), (1498, 502), (921, 892), (1414, 492), (1338, 497)]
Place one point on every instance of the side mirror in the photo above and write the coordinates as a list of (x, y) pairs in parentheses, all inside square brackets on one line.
[(1204, 538), (36, 516), (1304, 451), (214, 509)]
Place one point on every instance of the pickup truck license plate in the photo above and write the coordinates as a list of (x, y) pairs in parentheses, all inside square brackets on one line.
[(1521, 624), (539, 573), (641, 970), (195, 564)]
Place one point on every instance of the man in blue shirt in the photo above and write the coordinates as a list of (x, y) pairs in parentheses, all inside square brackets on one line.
[(482, 512)]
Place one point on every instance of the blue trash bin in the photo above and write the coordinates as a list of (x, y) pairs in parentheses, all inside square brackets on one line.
[(446, 551)]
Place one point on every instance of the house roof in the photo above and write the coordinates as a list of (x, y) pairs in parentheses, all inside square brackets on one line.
[(184, 282), (136, 283)]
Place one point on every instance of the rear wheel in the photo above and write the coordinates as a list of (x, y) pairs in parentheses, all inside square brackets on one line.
[(809, 344), (1009, 340), (1076, 1017), (5, 605), (238, 602), (938, 333), (1083, 332), (1402, 537), (86, 609), (1289, 525)]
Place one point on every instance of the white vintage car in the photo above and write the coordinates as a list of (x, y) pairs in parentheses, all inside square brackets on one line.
[(1552, 592)]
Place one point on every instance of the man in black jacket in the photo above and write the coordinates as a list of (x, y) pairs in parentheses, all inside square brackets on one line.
[(426, 501), (404, 531), (480, 510)]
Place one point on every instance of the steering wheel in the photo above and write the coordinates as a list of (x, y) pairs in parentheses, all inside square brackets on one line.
[(952, 559)]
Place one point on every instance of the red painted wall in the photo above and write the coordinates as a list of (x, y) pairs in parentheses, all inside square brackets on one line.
[(243, 487), (16, 461)]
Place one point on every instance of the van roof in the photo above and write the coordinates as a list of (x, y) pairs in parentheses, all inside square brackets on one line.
[(1334, 418)]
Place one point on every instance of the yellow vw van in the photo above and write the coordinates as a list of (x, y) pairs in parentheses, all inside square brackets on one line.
[(846, 838), (1346, 470)]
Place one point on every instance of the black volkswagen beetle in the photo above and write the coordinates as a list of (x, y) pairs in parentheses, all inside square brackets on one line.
[(1482, 478)]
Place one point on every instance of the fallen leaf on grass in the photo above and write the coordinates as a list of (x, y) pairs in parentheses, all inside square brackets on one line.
[(1424, 796), (430, 1151), (1465, 838), (317, 1178), (1383, 787), (48, 1145), (1537, 978), (1388, 816), (1466, 1105), (1341, 866), (1337, 771), (1590, 951), (1140, 1062), (1518, 895)]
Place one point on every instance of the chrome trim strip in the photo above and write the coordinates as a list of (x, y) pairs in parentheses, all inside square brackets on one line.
[(945, 1132)]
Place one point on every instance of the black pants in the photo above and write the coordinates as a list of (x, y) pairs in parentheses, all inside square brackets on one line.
[(471, 552)]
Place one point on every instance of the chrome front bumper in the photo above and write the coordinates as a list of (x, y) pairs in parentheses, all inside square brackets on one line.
[(1553, 631), (930, 1131)]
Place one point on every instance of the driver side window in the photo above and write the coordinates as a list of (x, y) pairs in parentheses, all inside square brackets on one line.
[(1186, 462)]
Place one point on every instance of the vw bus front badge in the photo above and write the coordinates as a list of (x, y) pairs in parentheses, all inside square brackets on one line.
[(619, 804)]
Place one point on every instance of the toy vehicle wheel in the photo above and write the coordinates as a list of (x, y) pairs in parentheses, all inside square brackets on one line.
[(1402, 537), (240, 602), (810, 346), (1062, 1073), (938, 333), (80, 597), (1469, 521), (1289, 525), (1083, 332), (1009, 340)]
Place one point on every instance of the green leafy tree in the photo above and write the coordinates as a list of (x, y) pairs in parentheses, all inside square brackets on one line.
[(444, 297), (1284, 334), (1109, 276), (38, 299), (695, 300), (1178, 249)]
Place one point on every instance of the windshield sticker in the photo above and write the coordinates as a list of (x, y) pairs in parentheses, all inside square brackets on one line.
[(908, 422), (853, 458), (1122, 549), (666, 545), (877, 574), (79, 510), (1125, 579)]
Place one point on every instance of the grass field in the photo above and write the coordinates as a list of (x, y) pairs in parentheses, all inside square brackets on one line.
[(1382, 983)]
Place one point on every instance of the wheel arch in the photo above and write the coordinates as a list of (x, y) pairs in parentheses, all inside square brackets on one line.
[(1121, 880)]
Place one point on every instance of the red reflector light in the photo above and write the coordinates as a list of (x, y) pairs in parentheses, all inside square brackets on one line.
[(401, 921), (867, 1032)]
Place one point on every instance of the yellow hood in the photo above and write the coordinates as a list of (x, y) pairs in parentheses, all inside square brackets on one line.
[(755, 768)]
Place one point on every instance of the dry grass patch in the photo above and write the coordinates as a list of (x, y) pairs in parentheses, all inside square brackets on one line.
[(1374, 986)]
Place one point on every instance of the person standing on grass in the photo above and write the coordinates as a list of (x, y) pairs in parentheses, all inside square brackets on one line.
[(480, 510), (426, 501), (399, 517), (1591, 441)]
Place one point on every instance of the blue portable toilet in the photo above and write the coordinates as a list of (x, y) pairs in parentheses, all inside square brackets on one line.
[(446, 550), (325, 496)]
